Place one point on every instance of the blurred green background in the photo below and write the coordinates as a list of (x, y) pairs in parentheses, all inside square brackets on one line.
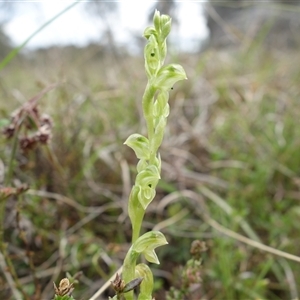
[(230, 155)]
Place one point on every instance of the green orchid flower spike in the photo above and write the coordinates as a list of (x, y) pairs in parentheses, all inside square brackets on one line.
[(161, 80), (145, 245)]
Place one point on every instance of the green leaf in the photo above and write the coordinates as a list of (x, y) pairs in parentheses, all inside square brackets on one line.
[(4, 122)]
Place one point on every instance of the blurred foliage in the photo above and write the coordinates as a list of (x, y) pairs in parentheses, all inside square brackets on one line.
[(233, 21), (100, 8), (6, 12), (7, 9), (5, 44), (233, 129)]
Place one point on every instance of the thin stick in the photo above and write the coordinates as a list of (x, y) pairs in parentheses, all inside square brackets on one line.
[(9, 279), (106, 285)]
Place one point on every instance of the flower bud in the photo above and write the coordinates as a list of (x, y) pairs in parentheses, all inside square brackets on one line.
[(156, 21), (150, 31), (166, 23)]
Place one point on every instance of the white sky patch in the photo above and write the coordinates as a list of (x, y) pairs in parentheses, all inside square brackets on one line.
[(133, 19), (192, 29), (77, 26), (73, 27)]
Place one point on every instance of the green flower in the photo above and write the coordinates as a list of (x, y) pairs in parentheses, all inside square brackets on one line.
[(139, 144), (146, 244), (168, 76)]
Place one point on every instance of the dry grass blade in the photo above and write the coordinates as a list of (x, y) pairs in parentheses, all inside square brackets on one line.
[(70, 202), (248, 241), (105, 286), (172, 220), (9, 278)]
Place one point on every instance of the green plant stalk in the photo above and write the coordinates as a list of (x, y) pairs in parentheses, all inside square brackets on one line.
[(147, 104), (136, 226), (155, 109), (145, 244), (129, 266)]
